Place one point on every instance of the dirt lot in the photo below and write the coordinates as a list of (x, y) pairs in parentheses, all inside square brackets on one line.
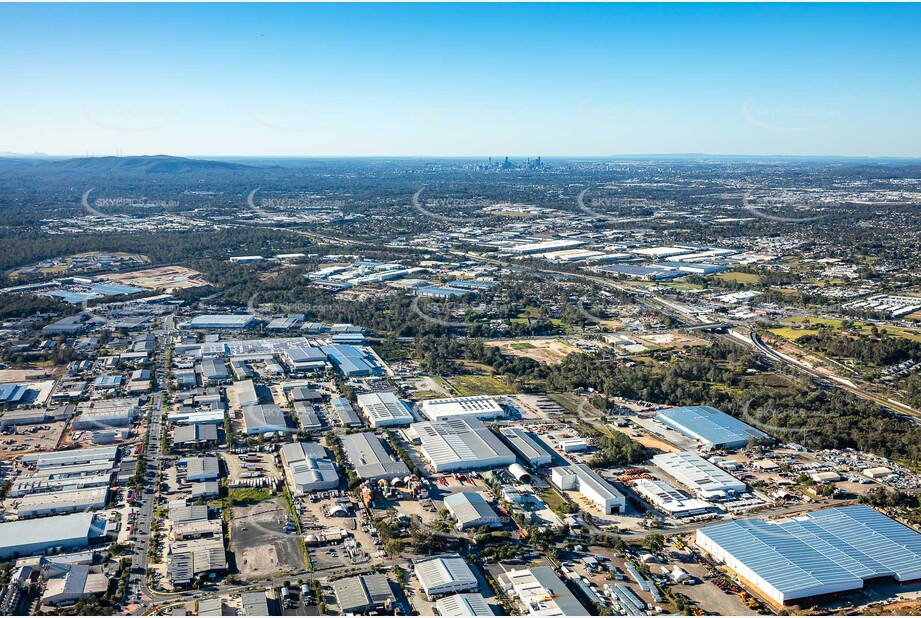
[(550, 351), (259, 542), (31, 439), (165, 278)]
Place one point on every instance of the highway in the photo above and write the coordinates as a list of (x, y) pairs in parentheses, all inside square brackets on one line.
[(829, 378)]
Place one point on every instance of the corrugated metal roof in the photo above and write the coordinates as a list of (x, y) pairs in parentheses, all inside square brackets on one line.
[(709, 425), (835, 547)]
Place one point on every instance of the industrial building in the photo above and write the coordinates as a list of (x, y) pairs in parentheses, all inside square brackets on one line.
[(461, 444), (61, 502), (441, 575), (263, 419), (308, 468), (68, 583), (705, 479), (801, 559), (106, 414), (471, 510), (526, 447), (541, 592), (370, 458), (245, 392), (351, 361), (213, 370), (363, 594), (63, 532), (193, 558), (710, 427), (467, 604), (384, 409), (480, 406), (194, 436), (220, 322), (201, 468), (71, 458), (669, 500), (581, 478), (345, 412), (304, 359)]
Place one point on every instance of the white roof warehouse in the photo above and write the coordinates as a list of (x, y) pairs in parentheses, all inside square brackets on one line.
[(461, 444), (479, 406)]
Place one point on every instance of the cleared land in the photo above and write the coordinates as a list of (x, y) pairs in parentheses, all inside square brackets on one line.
[(260, 543), (550, 351)]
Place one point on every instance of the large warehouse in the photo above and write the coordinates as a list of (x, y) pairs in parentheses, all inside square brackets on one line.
[(526, 447), (461, 444), (709, 426), (384, 409), (471, 510), (581, 478), (705, 479), (308, 468), (669, 500), (827, 552), (263, 419), (370, 458), (441, 575), (479, 406), (65, 532)]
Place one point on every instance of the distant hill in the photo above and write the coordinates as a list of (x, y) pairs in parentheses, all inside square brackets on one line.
[(157, 164)]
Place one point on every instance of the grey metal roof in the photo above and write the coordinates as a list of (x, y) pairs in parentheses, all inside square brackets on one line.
[(469, 507), (267, 417), (461, 443), (370, 458), (255, 604), (49, 531), (525, 446), (362, 592), (467, 604), (439, 572), (308, 466), (697, 473), (836, 547), (384, 408), (709, 425), (184, 434)]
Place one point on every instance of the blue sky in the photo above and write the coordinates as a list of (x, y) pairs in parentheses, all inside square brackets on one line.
[(461, 80)]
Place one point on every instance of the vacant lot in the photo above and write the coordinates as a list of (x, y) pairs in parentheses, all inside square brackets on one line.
[(739, 277), (260, 543), (550, 351), (467, 385)]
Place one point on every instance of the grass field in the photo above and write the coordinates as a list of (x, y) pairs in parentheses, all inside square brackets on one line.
[(523, 345), (468, 385), (795, 333), (792, 334), (248, 495), (739, 277)]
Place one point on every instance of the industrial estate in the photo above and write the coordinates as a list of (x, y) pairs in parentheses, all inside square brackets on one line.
[(550, 407)]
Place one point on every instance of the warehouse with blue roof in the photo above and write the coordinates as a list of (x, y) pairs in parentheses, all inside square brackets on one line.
[(802, 559), (709, 426), (351, 361)]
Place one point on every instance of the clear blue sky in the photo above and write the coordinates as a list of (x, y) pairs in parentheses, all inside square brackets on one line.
[(484, 79)]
